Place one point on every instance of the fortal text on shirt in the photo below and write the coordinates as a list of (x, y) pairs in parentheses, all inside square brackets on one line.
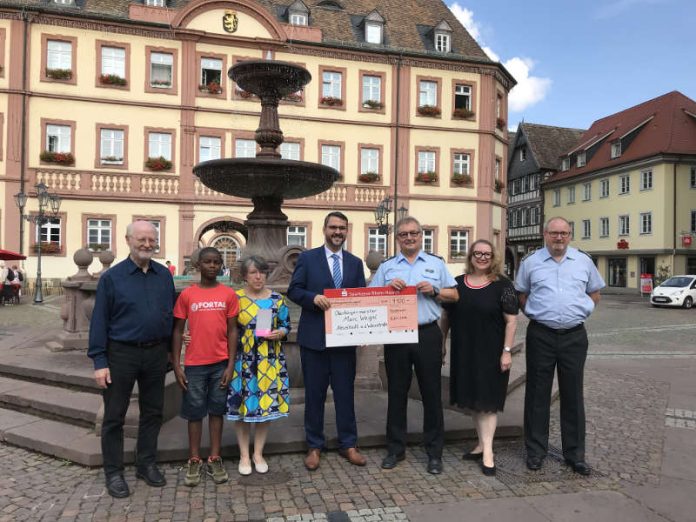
[(208, 306)]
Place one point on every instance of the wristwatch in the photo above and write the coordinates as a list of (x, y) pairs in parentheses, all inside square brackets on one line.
[(507, 349)]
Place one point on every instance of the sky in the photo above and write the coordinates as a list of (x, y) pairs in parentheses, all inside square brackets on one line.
[(577, 61)]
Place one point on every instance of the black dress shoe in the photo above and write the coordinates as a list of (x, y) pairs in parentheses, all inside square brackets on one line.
[(473, 456), (116, 486), (151, 475), (581, 467), (434, 465), (489, 472), (391, 460), (534, 463)]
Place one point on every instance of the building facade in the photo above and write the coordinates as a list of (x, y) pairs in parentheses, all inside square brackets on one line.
[(534, 155), (113, 103), (629, 190)]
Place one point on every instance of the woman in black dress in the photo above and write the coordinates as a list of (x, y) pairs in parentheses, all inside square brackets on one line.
[(483, 324)]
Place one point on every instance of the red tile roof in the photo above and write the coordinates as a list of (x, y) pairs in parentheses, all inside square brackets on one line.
[(668, 127)]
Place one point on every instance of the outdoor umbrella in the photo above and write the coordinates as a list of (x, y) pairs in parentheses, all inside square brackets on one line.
[(8, 255)]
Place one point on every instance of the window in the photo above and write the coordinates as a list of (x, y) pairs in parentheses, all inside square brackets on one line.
[(523, 154), (428, 236), (244, 148), (158, 233), (161, 70), (373, 32), (524, 217), (604, 188), (427, 93), (586, 229), (587, 191), (63, 2), (442, 42), (646, 180), (693, 177), (460, 164), (693, 221), (59, 55), (581, 159), (290, 150), (156, 3), (534, 182), (615, 149), (557, 197), (625, 184), (624, 225), (376, 241), (371, 90), (604, 227), (50, 232), (331, 156), (369, 161), (535, 217), (113, 61), (160, 145), (525, 184), (462, 97), (459, 243), (297, 235), (572, 229), (331, 84), (111, 146), (497, 168), (209, 148), (211, 71), (298, 19), (571, 195), (58, 138), (99, 234), (426, 162), (646, 223), (565, 165)]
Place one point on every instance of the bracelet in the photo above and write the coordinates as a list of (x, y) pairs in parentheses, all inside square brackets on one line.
[(507, 349)]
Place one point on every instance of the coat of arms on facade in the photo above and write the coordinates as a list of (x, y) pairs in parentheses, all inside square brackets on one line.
[(230, 21)]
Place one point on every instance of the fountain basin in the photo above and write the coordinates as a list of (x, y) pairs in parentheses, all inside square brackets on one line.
[(269, 77)]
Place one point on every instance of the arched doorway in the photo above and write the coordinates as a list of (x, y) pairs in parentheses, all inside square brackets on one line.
[(228, 247)]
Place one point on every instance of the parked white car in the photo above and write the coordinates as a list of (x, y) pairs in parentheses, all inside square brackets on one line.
[(676, 291)]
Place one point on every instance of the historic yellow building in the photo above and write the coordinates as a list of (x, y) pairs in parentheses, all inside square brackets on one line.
[(111, 103), (629, 190)]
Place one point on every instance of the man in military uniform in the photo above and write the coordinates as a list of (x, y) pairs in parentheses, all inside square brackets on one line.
[(559, 287), (435, 285)]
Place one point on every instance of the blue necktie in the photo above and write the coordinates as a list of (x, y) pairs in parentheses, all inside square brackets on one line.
[(337, 277)]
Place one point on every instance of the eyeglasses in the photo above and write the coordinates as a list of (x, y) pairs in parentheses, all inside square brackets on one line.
[(559, 234), (482, 255), (412, 233)]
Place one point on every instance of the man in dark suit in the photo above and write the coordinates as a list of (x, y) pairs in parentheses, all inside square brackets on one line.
[(328, 266)]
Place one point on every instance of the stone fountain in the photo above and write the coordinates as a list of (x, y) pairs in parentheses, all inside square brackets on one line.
[(268, 179)]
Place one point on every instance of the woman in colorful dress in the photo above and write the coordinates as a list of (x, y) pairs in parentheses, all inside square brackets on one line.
[(259, 389), (483, 324)]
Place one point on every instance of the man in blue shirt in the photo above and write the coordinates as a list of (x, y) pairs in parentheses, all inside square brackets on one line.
[(128, 342), (559, 288), (435, 285)]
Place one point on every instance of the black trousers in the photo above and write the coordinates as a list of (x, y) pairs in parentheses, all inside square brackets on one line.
[(425, 358), (128, 365), (567, 352)]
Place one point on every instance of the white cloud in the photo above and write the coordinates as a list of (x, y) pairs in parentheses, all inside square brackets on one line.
[(529, 89)]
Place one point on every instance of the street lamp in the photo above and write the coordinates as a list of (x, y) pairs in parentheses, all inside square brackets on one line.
[(46, 199)]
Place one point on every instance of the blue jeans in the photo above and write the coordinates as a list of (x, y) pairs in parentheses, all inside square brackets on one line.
[(204, 396)]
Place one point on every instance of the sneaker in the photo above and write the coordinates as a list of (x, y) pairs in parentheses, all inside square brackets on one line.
[(216, 469), (194, 468)]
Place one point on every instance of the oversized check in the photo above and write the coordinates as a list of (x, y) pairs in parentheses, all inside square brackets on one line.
[(378, 315)]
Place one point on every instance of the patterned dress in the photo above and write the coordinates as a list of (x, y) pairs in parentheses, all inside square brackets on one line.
[(259, 389)]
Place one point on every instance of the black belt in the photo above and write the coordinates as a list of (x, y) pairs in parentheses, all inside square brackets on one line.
[(558, 331), (141, 344), (427, 325)]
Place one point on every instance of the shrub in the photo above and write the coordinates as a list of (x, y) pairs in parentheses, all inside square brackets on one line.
[(426, 177), (429, 110), (331, 101), (60, 158), (158, 164), (463, 113), (368, 177), (112, 79)]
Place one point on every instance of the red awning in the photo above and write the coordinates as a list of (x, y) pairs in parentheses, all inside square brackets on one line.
[(8, 255)]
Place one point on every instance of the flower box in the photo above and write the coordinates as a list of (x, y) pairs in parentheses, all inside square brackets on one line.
[(158, 164), (113, 79), (331, 101), (498, 185), (458, 255), (500, 123), (294, 97), (211, 88), (59, 74), (98, 247), (112, 160), (243, 94), (368, 177), (461, 179), (372, 104), (46, 248), (161, 84), (426, 177), (429, 110), (59, 158), (463, 114)]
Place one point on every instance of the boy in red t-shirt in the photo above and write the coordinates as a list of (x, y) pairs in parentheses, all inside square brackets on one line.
[(211, 310)]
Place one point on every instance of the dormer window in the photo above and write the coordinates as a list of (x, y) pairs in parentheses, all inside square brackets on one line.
[(523, 154), (443, 37), (298, 14), (64, 2), (565, 165), (616, 149), (156, 3), (581, 159), (374, 28)]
